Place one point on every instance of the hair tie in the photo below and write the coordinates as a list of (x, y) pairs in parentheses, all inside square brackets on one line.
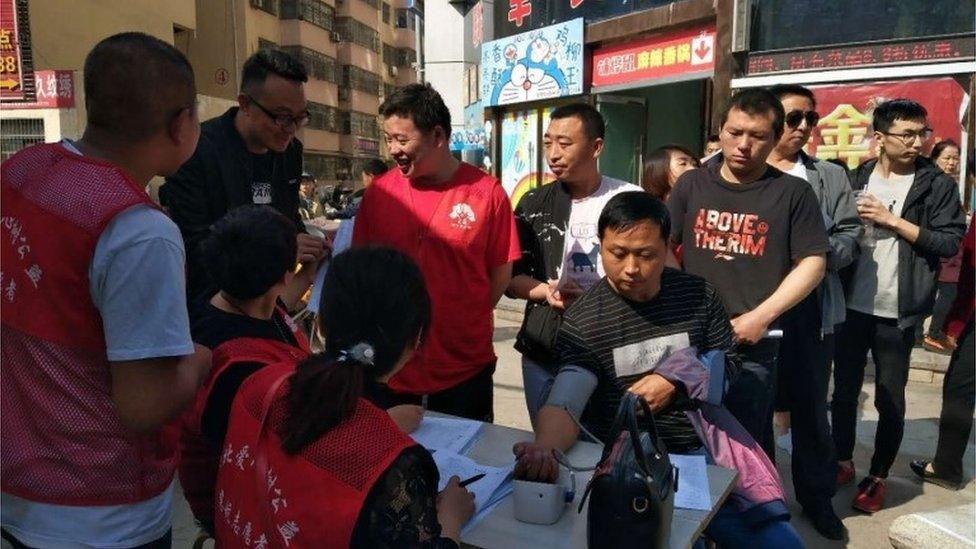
[(360, 352)]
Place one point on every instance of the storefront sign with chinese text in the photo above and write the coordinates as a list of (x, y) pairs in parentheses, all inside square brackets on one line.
[(675, 56), (15, 67), (844, 130), (935, 50), (54, 90), (532, 66)]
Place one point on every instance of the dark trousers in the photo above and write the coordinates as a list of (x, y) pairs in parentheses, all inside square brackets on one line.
[(943, 302), (803, 378), (472, 399), (891, 349), (751, 395), (164, 542), (958, 398)]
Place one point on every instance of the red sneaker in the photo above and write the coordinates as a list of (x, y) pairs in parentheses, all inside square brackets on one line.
[(870, 495), (845, 474)]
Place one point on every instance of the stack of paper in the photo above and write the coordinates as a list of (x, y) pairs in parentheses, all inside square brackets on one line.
[(692, 482), (440, 434), (488, 491)]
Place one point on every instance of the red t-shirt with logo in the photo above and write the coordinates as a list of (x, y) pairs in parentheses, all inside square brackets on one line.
[(457, 232)]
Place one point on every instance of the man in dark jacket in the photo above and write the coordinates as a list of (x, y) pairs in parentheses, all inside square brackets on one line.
[(248, 155), (912, 217), (807, 348), (560, 249)]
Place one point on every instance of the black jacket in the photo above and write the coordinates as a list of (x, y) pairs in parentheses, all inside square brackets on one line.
[(932, 204), (541, 218), (217, 178)]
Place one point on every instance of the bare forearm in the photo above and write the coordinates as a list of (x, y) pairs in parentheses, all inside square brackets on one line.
[(526, 287), (803, 279), (500, 278), (555, 428), (149, 393), (905, 229)]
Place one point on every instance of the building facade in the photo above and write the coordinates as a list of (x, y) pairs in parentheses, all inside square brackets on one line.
[(356, 52)]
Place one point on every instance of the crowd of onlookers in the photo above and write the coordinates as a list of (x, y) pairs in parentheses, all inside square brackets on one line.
[(139, 341)]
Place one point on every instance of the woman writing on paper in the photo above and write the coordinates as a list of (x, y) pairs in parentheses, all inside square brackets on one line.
[(309, 460)]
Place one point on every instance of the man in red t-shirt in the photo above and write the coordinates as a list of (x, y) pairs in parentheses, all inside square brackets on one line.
[(456, 222)]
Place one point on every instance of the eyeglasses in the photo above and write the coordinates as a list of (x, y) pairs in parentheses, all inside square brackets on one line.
[(909, 137), (793, 118), (283, 121)]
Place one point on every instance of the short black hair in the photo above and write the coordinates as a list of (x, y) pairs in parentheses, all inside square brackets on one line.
[(593, 124), (782, 90), (249, 250), (134, 109), (420, 103), (712, 138), (888, 112), (375, 166), (270, 61), (629, 208), (755, 101)]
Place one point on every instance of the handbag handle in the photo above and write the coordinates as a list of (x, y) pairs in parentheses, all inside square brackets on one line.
[(632, 402)]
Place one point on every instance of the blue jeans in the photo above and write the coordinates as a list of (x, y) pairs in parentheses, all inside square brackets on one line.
[(751, 395), (728, 529)]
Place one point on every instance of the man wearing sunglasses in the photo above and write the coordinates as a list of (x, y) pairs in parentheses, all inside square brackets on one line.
[(248, 155), (912, 217), (807, 348)]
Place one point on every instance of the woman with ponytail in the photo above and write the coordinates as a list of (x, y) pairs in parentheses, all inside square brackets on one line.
[(310, 458)]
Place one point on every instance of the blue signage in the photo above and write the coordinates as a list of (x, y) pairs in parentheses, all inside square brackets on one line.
[(540, 64)]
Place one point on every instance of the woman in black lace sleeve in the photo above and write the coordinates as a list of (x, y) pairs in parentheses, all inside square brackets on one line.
[(310, 459)]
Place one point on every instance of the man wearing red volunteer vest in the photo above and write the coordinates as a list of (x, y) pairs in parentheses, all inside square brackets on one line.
[(96, 349), (456, 222)]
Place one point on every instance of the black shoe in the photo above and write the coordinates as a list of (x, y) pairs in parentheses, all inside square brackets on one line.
[(920, 468), (827, 523)]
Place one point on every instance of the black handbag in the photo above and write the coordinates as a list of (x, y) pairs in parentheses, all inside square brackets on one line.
[(632, 490)]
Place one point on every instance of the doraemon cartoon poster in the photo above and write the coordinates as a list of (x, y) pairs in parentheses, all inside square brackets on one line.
[(539, 64), (536, 75)]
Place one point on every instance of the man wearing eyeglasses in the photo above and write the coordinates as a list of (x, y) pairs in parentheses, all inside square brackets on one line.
[(807, 348), (248, 155), (912, 217)]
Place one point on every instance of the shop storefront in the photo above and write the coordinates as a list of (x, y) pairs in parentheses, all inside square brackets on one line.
[(653, 91), (855, 55), (523, 77)]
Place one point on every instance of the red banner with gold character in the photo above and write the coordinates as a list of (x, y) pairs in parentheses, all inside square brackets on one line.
[(845, 132)]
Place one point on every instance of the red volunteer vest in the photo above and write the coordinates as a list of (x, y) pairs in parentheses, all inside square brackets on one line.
[(63, 441), (198, 455), (309, 500)]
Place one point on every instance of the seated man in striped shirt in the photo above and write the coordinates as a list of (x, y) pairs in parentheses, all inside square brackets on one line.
[(615, 337)]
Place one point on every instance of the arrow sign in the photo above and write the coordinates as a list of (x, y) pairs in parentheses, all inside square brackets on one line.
[(703, 49), (9, 84)]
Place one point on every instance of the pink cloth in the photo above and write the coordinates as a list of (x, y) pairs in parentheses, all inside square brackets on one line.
[(729, 444)]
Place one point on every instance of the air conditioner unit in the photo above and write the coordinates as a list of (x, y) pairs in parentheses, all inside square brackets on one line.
[(335, 37), (393, 71)]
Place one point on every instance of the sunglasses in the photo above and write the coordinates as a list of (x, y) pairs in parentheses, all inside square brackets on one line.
[(793, 118)]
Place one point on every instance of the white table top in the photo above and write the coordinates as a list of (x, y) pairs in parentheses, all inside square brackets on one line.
[(500, 529)]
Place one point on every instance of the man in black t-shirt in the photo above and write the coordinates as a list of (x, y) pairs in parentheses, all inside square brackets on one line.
[(248, 155), (758, 236)]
